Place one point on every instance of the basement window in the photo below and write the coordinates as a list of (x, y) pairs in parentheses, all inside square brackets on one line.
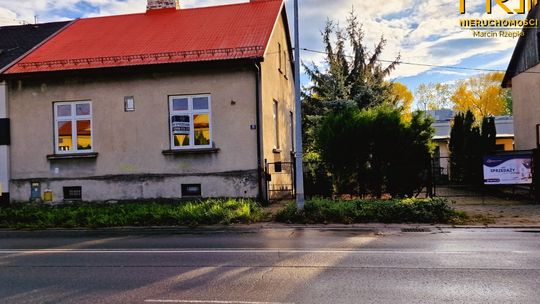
[(73, 193), (73, 127), (190, 122), (191, 190)]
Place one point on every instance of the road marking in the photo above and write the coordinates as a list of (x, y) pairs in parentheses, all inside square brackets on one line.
[(212, 302), (273, 250)]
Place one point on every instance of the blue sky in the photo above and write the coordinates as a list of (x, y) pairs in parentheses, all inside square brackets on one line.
[(422, 31)]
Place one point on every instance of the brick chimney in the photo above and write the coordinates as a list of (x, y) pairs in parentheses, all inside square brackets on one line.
[(162, 4)]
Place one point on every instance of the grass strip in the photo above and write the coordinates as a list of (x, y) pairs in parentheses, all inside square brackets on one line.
[(326, 211), (86, 215)]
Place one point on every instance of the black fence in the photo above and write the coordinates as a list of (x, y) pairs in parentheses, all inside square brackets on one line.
[(443, 177), (462, 178), (319, 182)]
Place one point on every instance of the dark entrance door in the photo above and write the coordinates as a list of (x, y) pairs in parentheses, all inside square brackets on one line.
[(280, 180)]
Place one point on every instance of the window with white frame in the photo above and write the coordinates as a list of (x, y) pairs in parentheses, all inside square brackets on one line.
[(190, 122), (73, 127)]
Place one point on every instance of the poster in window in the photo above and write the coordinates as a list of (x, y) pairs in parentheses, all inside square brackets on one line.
[(181, 125), (508, 169)]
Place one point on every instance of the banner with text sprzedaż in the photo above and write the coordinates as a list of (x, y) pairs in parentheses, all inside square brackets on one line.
[(508, 169)]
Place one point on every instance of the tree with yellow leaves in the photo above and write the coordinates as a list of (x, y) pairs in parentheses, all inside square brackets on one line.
[(433, 96), (482, 95), (402, 98)]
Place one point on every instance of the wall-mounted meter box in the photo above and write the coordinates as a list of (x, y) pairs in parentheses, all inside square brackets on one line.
[(35, 191)]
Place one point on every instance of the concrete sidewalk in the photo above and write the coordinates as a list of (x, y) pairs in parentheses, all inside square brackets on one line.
[(498, 212)]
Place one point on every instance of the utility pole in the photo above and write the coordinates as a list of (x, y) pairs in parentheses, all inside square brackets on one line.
[(299, 165)]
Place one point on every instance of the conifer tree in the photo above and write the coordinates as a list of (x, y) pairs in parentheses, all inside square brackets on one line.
[(351, 76), (469, 143)]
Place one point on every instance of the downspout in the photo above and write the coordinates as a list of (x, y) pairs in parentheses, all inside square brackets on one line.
[(258, 99)]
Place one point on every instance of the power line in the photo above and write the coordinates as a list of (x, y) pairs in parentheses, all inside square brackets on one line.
[(422, 64)]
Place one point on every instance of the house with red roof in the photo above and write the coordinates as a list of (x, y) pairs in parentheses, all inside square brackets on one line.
[(15, 42), (170, 103)]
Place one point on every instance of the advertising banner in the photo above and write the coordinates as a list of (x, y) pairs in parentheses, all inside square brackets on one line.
[(508, 169), (181, 125)]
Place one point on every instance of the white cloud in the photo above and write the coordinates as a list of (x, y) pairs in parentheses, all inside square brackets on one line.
[(422, 31), (448, 72), (503, 61)]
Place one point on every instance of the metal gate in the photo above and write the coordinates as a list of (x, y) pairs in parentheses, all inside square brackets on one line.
[(280, 180), (450, 181)]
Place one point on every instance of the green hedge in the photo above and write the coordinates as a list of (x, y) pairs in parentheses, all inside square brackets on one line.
[(371, 211), (208, 212)]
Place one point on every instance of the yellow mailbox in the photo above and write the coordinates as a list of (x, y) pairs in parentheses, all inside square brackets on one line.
[(47, 196)]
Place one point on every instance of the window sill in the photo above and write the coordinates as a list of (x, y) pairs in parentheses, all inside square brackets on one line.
[(191, 151), (72, 156), (276, 151)]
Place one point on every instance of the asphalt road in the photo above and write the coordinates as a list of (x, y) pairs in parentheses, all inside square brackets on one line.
[(272, 266)]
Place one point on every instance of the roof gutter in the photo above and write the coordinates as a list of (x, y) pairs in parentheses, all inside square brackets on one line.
[(171, 66), (14, 62)]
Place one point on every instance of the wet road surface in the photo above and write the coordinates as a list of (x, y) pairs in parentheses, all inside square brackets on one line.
[(271, 266)]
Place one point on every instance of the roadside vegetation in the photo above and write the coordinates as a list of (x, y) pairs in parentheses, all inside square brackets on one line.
[(325, 211), (207, 212), (354, 119)]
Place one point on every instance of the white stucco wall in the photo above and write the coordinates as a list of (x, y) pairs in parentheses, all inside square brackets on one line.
[(4, 150)]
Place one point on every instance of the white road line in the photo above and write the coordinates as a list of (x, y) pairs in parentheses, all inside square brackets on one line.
[(212, 302), (226, 251)]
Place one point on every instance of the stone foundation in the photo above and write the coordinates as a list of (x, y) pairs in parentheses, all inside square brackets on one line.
[(241, 184)]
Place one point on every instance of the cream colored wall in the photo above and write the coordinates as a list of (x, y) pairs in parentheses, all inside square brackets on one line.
[(507, 142), (526, 103), (277, 85), (132, 142)]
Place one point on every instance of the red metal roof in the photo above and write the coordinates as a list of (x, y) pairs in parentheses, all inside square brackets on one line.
[(156, 37)]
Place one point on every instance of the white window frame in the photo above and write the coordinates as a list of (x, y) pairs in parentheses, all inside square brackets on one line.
[(73, 119), (191, 112)]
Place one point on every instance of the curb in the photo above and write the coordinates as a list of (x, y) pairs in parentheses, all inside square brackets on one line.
[(253, 228)]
